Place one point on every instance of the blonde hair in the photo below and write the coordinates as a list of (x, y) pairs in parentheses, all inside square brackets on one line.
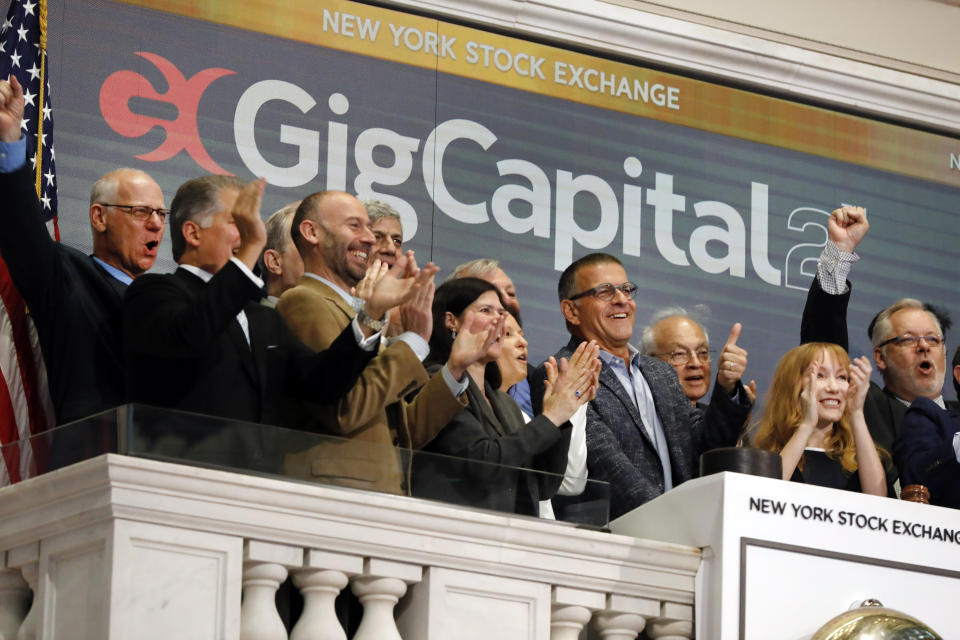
[(784, 408)]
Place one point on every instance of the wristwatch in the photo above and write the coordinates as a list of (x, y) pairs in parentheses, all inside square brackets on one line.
[(370, 323)]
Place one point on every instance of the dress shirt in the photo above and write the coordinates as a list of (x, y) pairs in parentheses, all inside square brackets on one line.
[(639, 391), (833, 267), (13, 155), (122, 276), (520, 393), (206, 276)]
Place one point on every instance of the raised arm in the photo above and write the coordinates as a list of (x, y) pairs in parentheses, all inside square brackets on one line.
[(25, 243), (825, 312)]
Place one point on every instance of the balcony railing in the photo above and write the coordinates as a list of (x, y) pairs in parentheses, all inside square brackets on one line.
[(121, 546)]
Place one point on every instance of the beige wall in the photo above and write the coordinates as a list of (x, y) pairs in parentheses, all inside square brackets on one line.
[(917, 36)]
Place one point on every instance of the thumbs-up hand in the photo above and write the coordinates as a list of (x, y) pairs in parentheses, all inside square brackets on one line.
[(733, 361)]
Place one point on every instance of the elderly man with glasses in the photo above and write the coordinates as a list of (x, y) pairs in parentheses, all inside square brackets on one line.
[(75, 299), (678, 339), (907, 336), (643, 434)]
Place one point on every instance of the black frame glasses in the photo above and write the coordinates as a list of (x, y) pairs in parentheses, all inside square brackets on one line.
[(138, 211), (913, 341), (606, 291), (683, 356)]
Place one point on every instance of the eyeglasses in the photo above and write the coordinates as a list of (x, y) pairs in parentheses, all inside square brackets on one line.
[(912, 342), (140, 212), (682, 357), (607, 291)]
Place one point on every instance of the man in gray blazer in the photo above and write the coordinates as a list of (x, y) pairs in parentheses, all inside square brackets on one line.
[(643, 435)]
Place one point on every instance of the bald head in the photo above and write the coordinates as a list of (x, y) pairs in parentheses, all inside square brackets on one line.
[(682, 343), (127, 219), (332, 232)]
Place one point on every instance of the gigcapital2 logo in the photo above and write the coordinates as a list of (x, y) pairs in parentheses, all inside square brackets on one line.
[(183, 94)]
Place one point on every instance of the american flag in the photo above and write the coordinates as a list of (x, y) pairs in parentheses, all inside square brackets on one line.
[(25, 406)]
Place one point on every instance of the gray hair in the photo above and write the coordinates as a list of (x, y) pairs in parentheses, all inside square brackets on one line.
[(648, 342), (474, 269), (197, 200), (278, 232), (378, 209), (881, 327)]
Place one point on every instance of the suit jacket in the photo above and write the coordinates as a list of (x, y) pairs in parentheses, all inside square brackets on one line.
[(825, 320), (620, 451), (376, 414), (924, 451), (494, 433), (75, 305), (184, 349)]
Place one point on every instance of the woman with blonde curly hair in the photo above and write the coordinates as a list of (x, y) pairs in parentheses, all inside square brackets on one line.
[(814, 420)]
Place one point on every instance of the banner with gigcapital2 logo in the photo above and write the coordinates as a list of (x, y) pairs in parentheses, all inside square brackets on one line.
[(493, 146)]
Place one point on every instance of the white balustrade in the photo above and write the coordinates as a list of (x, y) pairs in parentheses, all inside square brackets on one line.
[(379, 588), (322, 578), (675, 623), (571, 610), (14, 601), (624, 617), (26, 558), (119, 547), (264, 569)]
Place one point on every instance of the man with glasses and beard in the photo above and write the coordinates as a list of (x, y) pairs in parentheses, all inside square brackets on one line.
[(643, 434)]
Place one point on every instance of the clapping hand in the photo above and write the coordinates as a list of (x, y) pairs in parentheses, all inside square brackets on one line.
[(477, 334), (570, 384), (859, 383), (402, 282), (246, 217)]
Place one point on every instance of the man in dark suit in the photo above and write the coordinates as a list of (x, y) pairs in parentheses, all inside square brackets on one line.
[(643, 434), (197, 340), (907, 336), (75, 299), (928, 449)]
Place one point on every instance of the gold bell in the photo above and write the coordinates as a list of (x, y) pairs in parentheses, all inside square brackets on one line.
[(870, 620)]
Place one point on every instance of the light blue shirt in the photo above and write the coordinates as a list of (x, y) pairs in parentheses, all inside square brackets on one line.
[(638, 390), (122, 276), (13, 155)]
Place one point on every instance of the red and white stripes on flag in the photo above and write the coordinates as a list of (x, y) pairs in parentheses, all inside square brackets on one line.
[(25, 406)]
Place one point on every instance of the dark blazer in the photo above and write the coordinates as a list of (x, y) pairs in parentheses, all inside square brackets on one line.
[(493, 433), (825, 320), (74, 304), (924, 451), (184, 349), (620, 451)]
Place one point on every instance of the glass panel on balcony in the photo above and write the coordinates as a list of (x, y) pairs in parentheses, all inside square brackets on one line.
[(247, 447)]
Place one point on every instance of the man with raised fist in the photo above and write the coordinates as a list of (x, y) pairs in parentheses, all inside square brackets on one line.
[(75, 299)]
